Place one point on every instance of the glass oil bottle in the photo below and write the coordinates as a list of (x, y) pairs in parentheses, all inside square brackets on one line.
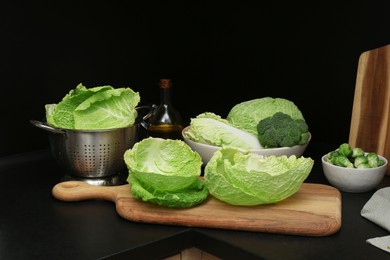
[(165, 122)]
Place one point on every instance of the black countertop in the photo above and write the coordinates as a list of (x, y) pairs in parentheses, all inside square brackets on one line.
[(34, 225)]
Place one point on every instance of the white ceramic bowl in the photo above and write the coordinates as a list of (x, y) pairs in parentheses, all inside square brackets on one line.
[(352, 179), (206, 151)]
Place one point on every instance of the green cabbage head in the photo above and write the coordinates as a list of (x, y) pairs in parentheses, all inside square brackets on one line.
[(94, 108), (246, 115), (248, 179), (165, 172)]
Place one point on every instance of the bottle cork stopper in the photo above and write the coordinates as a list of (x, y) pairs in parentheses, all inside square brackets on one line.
[(165, 83)]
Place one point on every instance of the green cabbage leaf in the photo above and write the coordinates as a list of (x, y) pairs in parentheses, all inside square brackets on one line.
[(184, 198), (243, 178)]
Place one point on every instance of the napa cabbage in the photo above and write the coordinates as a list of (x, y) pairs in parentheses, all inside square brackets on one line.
[(242, 178), (210, 128)]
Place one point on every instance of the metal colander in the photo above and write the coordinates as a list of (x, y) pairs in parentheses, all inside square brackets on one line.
[(91, 153)]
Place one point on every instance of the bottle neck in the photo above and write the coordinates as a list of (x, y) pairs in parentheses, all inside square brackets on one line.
[(165, 96), (165, 90)]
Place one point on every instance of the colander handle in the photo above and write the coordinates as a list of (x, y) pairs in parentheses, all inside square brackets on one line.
[(150, 109), (46, 127)]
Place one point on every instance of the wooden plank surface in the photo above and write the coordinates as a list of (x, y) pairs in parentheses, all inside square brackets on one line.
[(369, 127), (315, 210)]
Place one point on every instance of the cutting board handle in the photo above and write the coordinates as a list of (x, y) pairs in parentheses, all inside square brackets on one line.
[(79, 190)]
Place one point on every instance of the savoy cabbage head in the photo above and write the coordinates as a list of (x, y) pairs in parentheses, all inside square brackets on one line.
[(246, 115), (165, 172), (94, 108), (247, 179)]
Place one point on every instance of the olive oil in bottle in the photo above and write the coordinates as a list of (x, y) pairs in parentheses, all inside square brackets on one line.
[(165, 121)]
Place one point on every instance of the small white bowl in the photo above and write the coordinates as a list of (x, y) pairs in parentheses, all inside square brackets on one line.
[(352, 179), (206, 151)]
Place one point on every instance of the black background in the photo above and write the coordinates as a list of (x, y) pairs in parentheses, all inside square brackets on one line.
[(217, 53)]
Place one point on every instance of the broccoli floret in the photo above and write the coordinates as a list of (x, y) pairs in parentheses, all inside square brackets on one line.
[(280, 130)]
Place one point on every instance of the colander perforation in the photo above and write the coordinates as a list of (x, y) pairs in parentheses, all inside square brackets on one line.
[(104, 154), (89, 157), (93, 154), (119, 149)]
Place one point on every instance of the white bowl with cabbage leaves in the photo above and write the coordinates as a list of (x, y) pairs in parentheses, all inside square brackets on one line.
[(208, 132)]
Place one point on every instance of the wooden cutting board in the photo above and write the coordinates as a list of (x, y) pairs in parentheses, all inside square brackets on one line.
[(370, 122), (315, 210)]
